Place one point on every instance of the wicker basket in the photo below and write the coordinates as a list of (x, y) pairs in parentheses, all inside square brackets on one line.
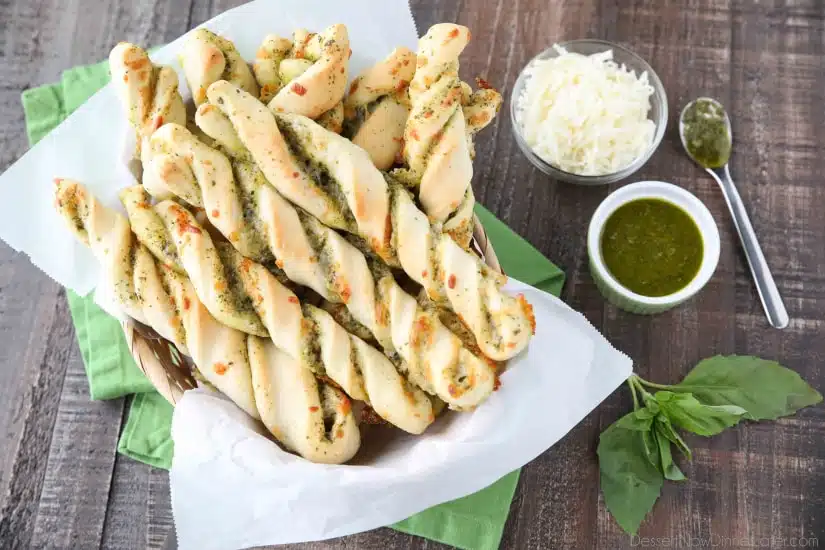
[(170, 371)]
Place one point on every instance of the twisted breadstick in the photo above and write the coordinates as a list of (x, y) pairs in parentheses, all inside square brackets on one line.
[(238, 290), (149, 95), (437, 137), (207, 58), (376, 109), (267, 66), (479, 108), (307, 76), (264, 382), (333, 179), (243, 205)]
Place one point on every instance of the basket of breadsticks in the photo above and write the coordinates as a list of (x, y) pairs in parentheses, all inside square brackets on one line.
[(303, 241)]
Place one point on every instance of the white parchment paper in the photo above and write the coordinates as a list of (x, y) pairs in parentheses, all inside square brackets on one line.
[(232, 487)]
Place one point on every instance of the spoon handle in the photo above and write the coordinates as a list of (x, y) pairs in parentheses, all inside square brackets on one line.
[(765, 285)]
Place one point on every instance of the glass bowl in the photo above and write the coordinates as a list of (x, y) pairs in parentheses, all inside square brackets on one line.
[(622, 56)]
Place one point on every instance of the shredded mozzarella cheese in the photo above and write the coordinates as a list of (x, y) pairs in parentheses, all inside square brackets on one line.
[(585, 115)]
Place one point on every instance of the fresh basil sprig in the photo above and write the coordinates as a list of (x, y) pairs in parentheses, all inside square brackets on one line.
[(635, 452)]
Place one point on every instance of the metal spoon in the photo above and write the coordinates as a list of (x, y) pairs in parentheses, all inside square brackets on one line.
[(765, 285)]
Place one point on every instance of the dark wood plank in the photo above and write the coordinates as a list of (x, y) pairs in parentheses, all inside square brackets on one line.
[(29, 436), (30, 304), (24, 324), (44, 481), (75, 492), (126, 524), (139, 512), (780, 84), (159, 508)]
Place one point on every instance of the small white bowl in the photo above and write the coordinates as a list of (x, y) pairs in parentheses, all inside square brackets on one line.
[(621, 55), (614, 291)]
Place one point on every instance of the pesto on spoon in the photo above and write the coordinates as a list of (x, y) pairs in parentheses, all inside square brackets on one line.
[(705, 130), (706, 133)]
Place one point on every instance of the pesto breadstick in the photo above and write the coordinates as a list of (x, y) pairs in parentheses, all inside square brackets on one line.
[(335, 181), (310, 77), (263, 381), (149, 95), (377, 107), (207, 57), (244, 207), (306, 75), (438, 135), (245, 294)]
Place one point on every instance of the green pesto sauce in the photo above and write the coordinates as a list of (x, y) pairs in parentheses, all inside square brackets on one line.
[(706, 133), (652, 247)]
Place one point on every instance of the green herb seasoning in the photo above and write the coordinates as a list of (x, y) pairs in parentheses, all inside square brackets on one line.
[(652, 247), (706, 134)]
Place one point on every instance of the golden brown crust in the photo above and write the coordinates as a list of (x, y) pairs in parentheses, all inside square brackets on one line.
[(377, 107), (333, 120), (308, 75), (354, 189), (297, 240), (444, 116), (435, 145), (207, 58), (149, 95), (273, 50), (368, 375)]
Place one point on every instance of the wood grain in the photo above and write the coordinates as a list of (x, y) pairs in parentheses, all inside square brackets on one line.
[(63, 486), (29, 438), (74, 497)]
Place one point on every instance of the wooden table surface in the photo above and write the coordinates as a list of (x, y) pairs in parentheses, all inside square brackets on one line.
[(62, 484)]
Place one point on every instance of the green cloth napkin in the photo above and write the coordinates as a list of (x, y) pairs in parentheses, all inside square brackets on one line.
[(475, 522)]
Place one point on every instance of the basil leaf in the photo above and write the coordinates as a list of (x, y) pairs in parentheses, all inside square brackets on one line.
[(629, 481), (640, 420), (765, 389), (666, 428), (651, 404), (684, 410), (669, 468), (651, 448), (646, 412)]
